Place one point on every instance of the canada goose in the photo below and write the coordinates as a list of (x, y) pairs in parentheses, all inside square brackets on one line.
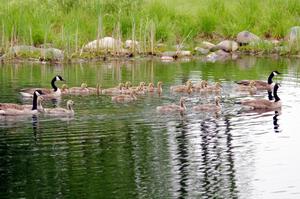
[(173, 107), (264, 103), (151, 87), (114, 91), (214, 88), (54, 92), (251, 87), (209, 107), (200, 86), (60, 111), (79, 90), (181, 87), (124, 98), (159, 88), (17, 109), (259, 84)]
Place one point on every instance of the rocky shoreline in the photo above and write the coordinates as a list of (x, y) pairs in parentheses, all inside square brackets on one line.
[(108, 48)]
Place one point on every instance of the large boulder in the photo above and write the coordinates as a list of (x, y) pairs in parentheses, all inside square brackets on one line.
[(219, 55), (23, 51), (246, 37), (294, 35), (105, 43), (228, 45)]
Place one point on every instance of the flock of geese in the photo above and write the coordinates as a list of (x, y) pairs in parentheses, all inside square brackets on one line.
[(124, 93)]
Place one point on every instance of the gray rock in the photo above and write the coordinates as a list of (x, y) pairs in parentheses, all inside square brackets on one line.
[(228, 45), (219, 55), (53, 54), (207, 45), (202, 51), (32, 52), (169, 53), (245, 37), (184, 53)]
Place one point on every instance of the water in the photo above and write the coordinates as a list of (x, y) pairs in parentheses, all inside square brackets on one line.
[(111, 150)]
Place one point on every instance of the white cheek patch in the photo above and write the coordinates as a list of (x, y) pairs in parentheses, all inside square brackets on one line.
[(274, 73), (37, 93), (57, 78)]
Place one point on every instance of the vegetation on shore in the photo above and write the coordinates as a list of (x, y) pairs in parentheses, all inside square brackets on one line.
[(70, 24)]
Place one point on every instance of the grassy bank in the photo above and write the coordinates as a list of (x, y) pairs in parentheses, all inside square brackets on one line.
[(69, 24)]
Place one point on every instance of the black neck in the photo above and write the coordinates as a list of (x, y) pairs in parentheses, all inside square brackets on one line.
[(53, 84), (270, 78), (275, 94), (270, 96), (34, 102)]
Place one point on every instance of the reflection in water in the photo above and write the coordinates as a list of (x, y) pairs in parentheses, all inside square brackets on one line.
[(182, 158), (275, 122), (128, 151)]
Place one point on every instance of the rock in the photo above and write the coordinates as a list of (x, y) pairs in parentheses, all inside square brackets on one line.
[(31, 52), (228, 45), (294, 35), (245, 37), (219, 55), (53, 53), (130, 44), (202, 51), (184, 53), (170, 54), (207, 45), (105, 43), (167, 58)]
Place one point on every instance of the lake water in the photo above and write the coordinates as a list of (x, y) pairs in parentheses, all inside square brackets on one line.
[(110, 150)]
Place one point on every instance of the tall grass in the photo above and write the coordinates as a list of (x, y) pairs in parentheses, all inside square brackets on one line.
[(69, 24)]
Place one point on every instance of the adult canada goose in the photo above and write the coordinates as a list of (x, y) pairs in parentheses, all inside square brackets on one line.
[(209, 107), (54, 92), (259, 84), (124, 98), (251, 87), (60, 111), (114, 91), (17, 109), (172, 107), (264, 103)]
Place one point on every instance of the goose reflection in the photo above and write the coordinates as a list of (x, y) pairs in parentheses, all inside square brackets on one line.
[(217, 160), (275, 122)]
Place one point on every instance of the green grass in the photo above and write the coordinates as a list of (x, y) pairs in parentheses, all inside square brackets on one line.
[(69, 24)]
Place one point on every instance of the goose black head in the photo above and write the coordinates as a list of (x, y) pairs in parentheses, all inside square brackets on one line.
[(38, 92), (59, 78), (275, 72)]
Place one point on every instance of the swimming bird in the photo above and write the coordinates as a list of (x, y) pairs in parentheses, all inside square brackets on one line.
[(264, 103), (251, 87), (214, 88), (259, 84), (179, 88), (173, 107), (60, 111), (113, 91), (123, 98), (183, 88), (209, 107), (51, 93), (17, 109)]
